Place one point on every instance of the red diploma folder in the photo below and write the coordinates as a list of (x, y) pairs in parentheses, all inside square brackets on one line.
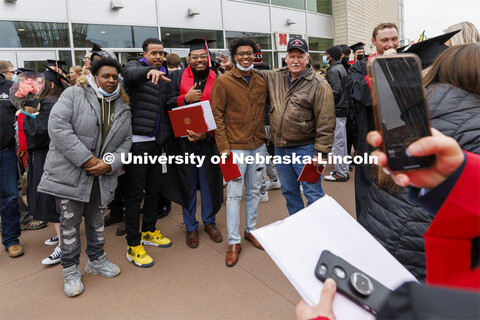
[(229, 169), (310, 173), (187, 119)]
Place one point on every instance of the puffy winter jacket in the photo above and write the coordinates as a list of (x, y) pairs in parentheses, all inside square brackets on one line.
[(74, 128), (456, 113), (390, 217), (149, 116)]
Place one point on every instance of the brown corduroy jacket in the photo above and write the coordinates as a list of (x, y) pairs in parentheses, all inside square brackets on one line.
[(302, 114), (239, 111)]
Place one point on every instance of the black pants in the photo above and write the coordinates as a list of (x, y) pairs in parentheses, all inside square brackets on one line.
[(118, 202), (142, 177)]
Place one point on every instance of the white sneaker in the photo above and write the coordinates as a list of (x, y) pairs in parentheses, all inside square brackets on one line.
[(264, 197), (52, 241), (273, 184), (54, 258)]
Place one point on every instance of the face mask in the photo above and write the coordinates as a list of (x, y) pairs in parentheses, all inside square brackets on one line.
[(325, 60), (106, 94), (245, 69), (345, 60), (360, 57), (14, 78)]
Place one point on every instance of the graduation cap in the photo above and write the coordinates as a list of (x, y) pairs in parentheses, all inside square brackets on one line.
[(53, 76), (19, 70), (357, 46), (96, 48), (57, 64), (429, 49), (198, 44)]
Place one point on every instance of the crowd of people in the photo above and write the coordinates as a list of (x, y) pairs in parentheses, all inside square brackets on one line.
[(62, 138)]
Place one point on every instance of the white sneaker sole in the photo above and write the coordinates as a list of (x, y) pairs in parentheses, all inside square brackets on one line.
[(138, 264), (48, 243), (150, 243), (49, 261)]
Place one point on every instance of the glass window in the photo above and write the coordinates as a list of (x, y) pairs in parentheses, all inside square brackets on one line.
[(263, 39), (296, 4), (110, 36), (174, 37), (65, 55), (26, 34), (259, 1), (320, 6), (319, 44), (79, 54), (316, 57)]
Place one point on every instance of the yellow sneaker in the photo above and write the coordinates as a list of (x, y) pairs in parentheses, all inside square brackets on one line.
[(139, 257), (155, 239)]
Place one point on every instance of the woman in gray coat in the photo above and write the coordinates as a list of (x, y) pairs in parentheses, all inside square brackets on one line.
[(89, 127)]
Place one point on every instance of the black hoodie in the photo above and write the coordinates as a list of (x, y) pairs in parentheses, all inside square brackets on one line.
[(7, 114)]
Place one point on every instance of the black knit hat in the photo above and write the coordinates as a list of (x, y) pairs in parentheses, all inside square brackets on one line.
[(335, 52)]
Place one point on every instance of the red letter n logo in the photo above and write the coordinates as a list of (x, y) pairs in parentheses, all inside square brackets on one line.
[(283, 38)]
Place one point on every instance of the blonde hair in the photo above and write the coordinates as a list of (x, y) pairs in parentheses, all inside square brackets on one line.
[(77, 69), (468, 33), (458, 66)]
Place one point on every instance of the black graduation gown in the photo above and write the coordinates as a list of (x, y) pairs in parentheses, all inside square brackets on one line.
[(178, 176), (42, 206), (362, 100)]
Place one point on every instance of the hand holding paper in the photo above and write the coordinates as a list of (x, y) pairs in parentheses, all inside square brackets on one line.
[(325, 225)]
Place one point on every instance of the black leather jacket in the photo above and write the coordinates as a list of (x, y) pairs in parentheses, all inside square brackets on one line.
[(337, 78)]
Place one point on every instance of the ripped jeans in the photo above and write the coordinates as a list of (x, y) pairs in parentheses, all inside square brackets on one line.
[(71, 213), (252, 176)]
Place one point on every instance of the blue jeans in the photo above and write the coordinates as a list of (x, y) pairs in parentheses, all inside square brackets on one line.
[(198, 176), (289, 173), (8, 197), (252, 175)]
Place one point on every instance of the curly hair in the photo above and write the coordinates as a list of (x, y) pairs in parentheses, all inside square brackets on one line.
[(243, 41), (98, 64)]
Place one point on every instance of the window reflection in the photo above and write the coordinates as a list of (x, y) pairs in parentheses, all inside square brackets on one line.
[(263, 39), (319, 44), (27, 34), (110, 36), (320, 6), (296, 4), (174, 37)]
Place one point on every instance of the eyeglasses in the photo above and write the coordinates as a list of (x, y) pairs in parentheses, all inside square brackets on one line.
[(202, 56), (241, 54)]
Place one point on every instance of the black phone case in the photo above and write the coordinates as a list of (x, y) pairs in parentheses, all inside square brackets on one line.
[(371, 303)]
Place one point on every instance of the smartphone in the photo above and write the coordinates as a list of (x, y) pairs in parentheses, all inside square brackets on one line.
[(400, 108), (352, 282)]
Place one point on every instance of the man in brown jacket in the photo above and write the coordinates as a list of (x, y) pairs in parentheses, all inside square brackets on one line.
[(302, 121), (238, 102)]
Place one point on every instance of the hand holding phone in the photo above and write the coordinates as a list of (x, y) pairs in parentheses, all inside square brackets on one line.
[(352, 282), (449, 157), (400, 109)]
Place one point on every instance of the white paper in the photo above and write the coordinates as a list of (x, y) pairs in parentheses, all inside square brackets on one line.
[(295, 245), (207, 113)]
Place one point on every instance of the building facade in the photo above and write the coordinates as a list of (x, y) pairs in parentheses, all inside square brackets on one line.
[(32, 31)]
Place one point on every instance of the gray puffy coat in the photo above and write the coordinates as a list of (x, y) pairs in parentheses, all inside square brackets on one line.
[(74, 129), (456, 113)]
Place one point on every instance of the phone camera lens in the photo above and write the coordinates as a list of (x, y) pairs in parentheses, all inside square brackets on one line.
[(339, 272), (362, 284), (323, 270)]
